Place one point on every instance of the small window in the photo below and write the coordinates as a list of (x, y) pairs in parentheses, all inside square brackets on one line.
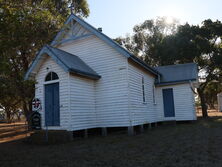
[(154, 94), (143, 90), (51, 76)]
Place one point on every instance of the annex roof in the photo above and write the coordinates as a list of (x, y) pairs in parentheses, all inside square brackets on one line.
[(67, 61), (178, 73)]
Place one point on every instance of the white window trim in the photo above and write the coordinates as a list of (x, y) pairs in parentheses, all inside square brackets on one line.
[(51, 82), (50, 72), (154, 94), (143, 91)]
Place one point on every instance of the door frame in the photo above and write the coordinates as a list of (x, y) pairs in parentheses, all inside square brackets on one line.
[(169, 118), (48, 83)]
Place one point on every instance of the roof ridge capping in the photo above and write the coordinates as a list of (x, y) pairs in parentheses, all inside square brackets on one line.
[(51, 47)]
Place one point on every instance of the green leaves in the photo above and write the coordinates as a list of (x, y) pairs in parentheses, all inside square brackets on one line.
[(81, 7), (25, 26), (148, 40)]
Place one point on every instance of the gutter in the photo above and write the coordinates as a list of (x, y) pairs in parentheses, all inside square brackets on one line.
[(82, 73), (174, 82)]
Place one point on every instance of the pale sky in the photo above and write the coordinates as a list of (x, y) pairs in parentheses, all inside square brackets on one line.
[(118, 17)]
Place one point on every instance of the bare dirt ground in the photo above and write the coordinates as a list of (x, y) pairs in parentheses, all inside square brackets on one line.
[(197, 144), (13, 131), (211, 113)]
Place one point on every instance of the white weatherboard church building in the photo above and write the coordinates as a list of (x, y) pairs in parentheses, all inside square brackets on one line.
[(86, 80)]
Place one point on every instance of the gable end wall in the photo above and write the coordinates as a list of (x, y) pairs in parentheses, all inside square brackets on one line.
[(111, 90)]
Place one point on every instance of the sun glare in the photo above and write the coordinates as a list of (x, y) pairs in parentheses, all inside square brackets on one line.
[(171, 12), (169, 20)]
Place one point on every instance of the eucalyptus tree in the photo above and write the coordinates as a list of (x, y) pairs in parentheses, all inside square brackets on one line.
[(201, 44), (25, 26), (147, 39)]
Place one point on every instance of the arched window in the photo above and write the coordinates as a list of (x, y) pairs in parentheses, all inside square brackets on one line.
[(51, 76)]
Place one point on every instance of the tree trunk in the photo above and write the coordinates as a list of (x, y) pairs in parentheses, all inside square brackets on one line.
[(26, 110), (8, 115), (18, 116), (203, 103)]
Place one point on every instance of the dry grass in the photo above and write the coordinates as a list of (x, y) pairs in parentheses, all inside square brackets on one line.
[(196, 144)]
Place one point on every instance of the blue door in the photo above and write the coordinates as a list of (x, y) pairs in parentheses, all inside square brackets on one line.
[(52, 117), (168, 103)]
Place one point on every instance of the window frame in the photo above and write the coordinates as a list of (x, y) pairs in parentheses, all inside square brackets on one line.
[(51, 77), (154, 94), (143, 90)]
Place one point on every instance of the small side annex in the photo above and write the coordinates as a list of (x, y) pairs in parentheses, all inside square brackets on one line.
[(177, 84)]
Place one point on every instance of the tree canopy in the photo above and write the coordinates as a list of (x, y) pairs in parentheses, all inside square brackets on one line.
[(25, 26), (147, 40)]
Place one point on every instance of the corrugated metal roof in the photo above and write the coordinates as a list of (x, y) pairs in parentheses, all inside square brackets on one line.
[(177, 73), (73, 63), (69, 62), (108, 40)]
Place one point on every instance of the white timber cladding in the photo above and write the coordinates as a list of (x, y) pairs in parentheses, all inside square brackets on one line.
[(82, 103), (77, 31), (111, 90), (152, 110), (183, 102), (47, 66), (142, 112)]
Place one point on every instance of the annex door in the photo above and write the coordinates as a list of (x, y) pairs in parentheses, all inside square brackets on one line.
[(52, 113), (168, 102)]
